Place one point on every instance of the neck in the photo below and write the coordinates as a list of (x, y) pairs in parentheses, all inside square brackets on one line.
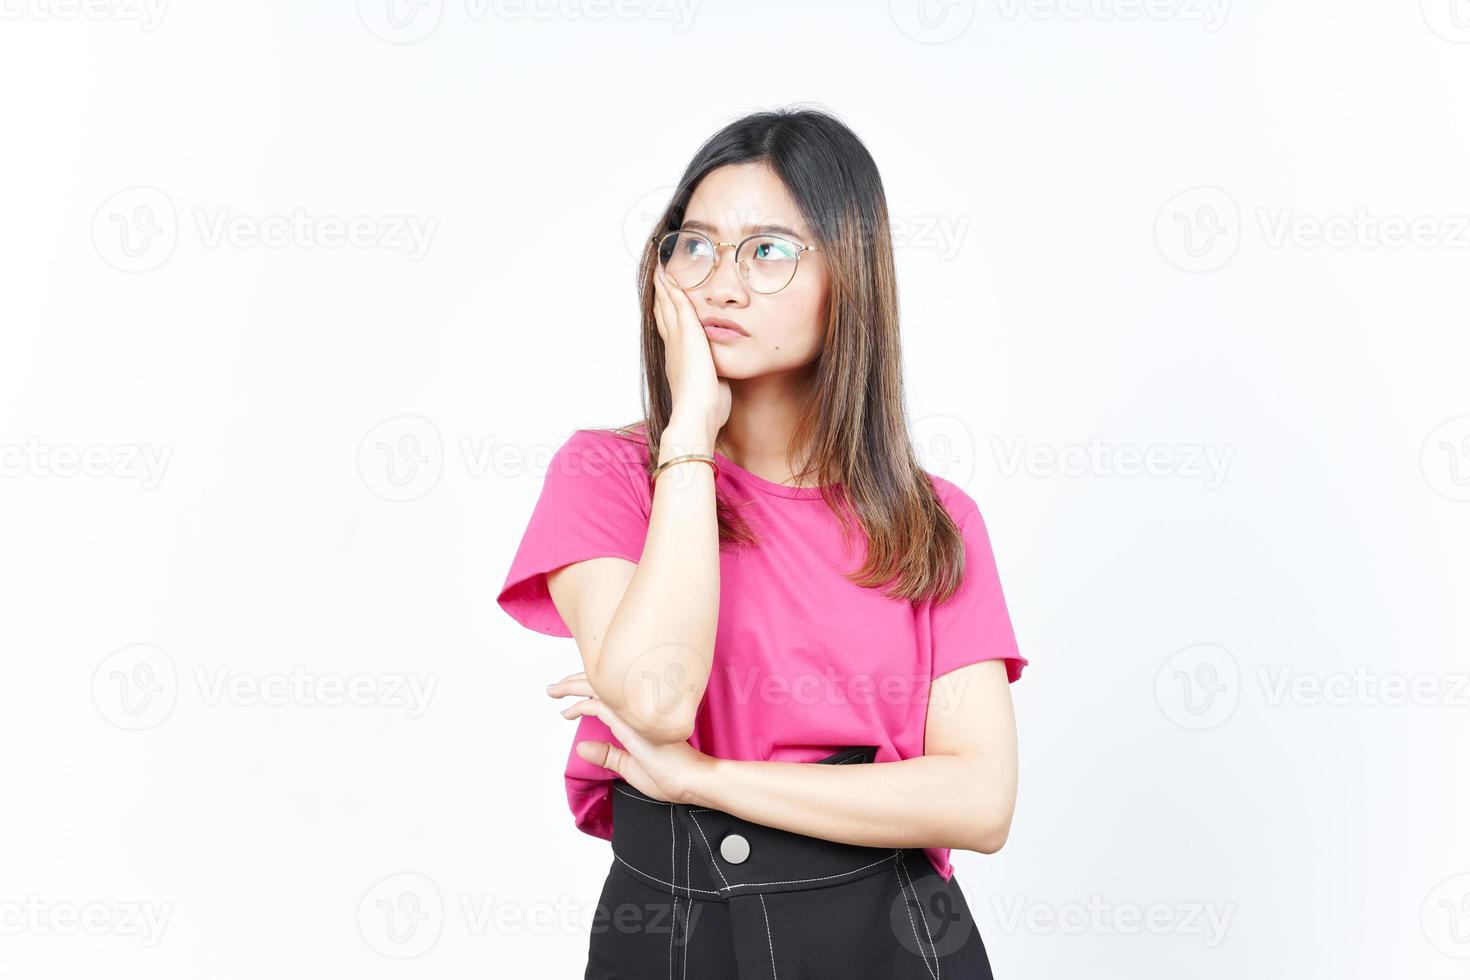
[(763, 415)]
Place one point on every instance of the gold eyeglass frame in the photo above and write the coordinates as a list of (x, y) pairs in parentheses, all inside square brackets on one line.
[(800, 248)]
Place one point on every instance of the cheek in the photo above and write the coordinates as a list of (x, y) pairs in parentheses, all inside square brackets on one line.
[(802, 319)]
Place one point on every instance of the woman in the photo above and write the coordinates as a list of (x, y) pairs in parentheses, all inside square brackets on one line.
[(796, 696)]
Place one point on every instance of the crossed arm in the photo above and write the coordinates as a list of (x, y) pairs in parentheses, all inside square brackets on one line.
[(959, 794)]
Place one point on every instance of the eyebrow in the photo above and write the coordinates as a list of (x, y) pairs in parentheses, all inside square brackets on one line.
[(748, 229)]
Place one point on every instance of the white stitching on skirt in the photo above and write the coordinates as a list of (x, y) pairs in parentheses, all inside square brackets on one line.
[(905, 895), (769, 945), (673, 873), (711, 850), (799, 881), (705, 891), (689, 910), (927, 934)]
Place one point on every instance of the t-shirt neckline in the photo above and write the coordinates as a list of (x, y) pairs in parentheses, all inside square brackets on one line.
[(775, 489)]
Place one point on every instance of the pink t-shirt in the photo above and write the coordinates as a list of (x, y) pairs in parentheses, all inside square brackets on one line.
[(805, 661)]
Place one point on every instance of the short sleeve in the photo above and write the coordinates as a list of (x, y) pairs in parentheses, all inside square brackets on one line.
[(590, 507), (973, 624)]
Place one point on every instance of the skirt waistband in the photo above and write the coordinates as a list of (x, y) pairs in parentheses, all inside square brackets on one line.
[(699, 852)]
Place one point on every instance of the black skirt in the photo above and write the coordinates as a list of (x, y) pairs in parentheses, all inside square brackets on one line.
[(697, 894)]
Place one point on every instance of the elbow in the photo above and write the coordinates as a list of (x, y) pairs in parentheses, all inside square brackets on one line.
[(991, 838), (658, 720), (657, 713), (989, 834)]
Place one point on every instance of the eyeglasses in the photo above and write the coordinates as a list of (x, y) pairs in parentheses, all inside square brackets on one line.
[(767, 263)]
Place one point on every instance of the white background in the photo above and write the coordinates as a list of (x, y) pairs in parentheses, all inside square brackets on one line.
[(1175, 227)]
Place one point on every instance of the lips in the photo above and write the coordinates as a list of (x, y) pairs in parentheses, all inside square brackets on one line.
[(715, 321)]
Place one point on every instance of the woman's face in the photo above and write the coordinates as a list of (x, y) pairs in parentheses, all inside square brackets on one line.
[(783, 329)]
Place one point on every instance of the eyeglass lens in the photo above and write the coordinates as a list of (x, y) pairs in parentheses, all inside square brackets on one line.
[(766, 262)]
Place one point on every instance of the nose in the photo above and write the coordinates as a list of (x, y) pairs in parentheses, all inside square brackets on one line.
[(725, 284)]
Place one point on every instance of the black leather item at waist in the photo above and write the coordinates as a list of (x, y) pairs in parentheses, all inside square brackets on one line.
[(699, 852)]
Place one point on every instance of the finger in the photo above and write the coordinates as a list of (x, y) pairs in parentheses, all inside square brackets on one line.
[(571, 684), (585, 706), (604, 754), (598, 708), (661, 309)]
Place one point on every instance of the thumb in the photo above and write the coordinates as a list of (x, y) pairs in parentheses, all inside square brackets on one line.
[(602, 754)]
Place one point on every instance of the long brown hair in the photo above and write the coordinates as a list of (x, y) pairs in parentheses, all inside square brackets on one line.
[(855, 427)]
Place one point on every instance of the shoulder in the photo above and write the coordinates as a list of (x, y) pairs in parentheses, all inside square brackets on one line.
[(626, 444), (954, 498), (603, 454)]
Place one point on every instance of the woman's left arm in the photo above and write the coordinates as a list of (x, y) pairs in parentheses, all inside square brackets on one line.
[(960, 793)]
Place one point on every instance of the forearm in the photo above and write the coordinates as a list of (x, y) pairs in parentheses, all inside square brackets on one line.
[(655, 658), (926, 801)]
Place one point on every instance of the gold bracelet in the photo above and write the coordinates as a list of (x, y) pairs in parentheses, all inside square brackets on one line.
[(702, 457)]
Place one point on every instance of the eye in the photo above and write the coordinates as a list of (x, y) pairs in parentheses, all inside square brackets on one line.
[(773, 250), (693, 246)]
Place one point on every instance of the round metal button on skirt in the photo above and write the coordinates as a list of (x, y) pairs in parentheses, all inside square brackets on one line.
[(734, 848)]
